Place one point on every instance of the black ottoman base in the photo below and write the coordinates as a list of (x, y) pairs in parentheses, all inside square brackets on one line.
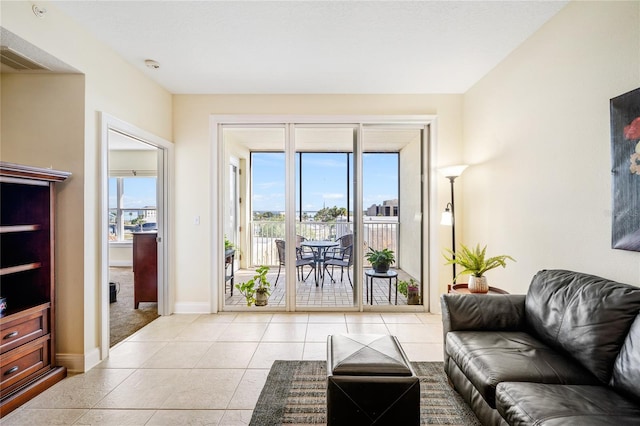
[(370, 382)]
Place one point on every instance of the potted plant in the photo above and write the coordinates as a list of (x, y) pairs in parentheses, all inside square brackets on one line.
[(410, 290), (228, 245), (257, 290), (380, 260), (475, 263)]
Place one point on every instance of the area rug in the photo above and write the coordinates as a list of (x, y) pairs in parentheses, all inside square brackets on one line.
[(295, 393)]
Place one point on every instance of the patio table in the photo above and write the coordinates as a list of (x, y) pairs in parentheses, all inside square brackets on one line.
[(370, 274), (319, 247)]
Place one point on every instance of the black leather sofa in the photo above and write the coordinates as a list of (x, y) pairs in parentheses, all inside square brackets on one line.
[(566, 353)]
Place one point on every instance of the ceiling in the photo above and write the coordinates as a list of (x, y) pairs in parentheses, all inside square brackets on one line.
[(312, 47)]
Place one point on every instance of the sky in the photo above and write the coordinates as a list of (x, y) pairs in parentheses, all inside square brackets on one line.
[(138, 192), (324, 180)]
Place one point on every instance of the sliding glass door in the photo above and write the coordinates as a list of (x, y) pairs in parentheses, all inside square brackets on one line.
[(309, 201), (392, 180), (324, 215), (260, 200)]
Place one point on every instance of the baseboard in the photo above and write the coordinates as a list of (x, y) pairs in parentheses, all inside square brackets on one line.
[(192, 308), (78, 363), (92, 358), (73, 362)]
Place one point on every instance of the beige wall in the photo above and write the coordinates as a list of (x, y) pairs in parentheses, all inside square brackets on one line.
[(193, 163), (536, 133), (43, 126), (536, 130), (110, 85)]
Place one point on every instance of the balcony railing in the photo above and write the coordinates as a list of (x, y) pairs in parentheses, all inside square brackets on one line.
[(377, 234)]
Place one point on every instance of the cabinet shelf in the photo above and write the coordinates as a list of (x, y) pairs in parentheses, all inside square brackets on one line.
[(20, 268), (18, 228), (27, 272)]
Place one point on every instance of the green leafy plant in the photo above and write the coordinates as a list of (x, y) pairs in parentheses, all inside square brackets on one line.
[(411, 290), (405, 286), (257, 284), (380, 260), (474, 261), (228, 245)]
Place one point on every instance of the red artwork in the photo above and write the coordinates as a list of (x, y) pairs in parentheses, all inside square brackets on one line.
[(625, 150)]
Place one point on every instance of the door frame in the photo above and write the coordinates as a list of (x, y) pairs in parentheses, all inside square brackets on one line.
[(163, 212), (430, 208)]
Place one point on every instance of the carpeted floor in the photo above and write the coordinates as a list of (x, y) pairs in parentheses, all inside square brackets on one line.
[(295, 393), (124, 320)]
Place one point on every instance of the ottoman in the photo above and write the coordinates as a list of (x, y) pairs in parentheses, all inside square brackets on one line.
[(370, 381)]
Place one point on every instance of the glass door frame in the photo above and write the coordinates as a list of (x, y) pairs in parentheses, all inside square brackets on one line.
[(357, 216), (290, 122)]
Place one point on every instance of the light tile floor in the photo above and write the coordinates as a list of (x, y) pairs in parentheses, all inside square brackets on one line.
[(208, 369)]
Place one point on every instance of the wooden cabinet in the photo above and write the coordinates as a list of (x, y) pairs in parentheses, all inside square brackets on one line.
[(145, 268), (27, 248)]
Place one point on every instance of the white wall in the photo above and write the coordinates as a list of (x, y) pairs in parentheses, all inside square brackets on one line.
[(192, 137), (117, 88), (536, 133), (410, 258)]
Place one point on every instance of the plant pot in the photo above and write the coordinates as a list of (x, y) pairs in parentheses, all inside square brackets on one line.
[(381, 268), (478, 284), (413, 296), (261, 299)]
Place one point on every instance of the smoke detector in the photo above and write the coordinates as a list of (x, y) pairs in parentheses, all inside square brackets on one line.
[(150, 63), (39, 11)]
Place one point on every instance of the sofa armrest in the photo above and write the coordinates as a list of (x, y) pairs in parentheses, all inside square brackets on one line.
[(481, 312)]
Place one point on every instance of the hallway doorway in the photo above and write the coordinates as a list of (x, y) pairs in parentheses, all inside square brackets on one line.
[(135, 200)]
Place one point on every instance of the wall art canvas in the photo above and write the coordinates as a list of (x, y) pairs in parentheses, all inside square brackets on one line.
[(625, 158)]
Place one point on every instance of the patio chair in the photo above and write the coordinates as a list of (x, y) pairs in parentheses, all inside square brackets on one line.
[(305, 252), (345, 241), (300, 262), (341, 257)]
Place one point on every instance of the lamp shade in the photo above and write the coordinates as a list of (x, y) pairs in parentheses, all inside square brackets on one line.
[(452, 171), (447, 218)]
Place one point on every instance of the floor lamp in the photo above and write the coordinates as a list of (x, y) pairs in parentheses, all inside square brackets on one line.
[(448, 216)]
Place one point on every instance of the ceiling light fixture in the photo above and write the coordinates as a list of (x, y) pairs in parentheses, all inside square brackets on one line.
[(150, 63)]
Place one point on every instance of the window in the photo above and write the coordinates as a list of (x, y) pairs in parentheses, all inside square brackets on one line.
[(132, 207)]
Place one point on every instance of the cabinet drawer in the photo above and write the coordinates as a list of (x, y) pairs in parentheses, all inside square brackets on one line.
[(23, 327), (22, 362)]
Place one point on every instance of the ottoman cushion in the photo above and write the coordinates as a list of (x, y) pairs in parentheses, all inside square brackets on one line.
[(367, 354)]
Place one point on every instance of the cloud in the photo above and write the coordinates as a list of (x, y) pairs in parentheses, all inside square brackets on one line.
[(334, 196), (326, 163), (273, 184)]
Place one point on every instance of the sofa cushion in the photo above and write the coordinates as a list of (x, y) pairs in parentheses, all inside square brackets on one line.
[(551, 405), (626, 371), (490, 357), (584, 315)]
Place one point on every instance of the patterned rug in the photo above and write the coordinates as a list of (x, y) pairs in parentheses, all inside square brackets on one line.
[(295, 393)]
